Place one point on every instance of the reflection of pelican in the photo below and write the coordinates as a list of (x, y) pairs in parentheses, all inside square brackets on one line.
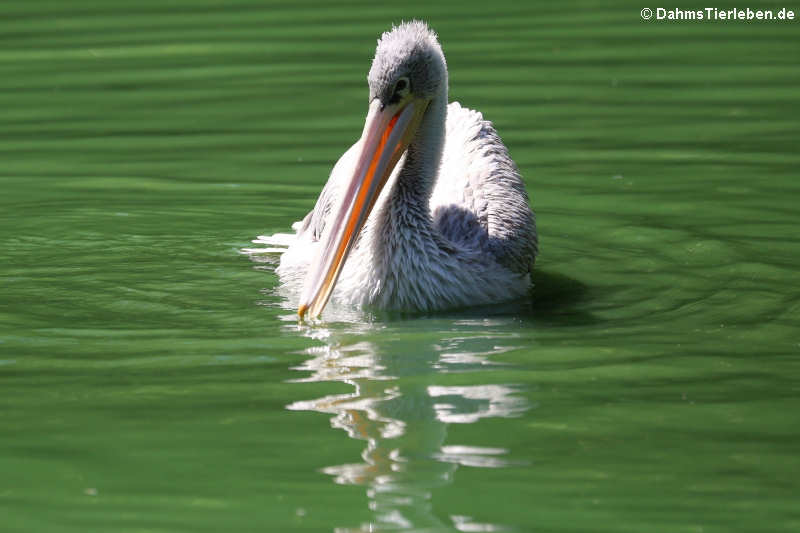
[(452, 228), (401, 405)]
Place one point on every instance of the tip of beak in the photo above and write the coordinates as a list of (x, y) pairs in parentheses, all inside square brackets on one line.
[(301, 312)]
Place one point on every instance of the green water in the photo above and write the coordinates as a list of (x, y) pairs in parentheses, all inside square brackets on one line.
[(152, 380)]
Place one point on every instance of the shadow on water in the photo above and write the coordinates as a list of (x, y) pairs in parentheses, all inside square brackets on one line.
[(556, 300), (401, 404)]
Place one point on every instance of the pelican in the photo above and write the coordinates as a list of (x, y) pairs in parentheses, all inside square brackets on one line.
[(426, 211)]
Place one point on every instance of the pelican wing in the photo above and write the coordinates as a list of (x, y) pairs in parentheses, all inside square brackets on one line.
[(480, 200), (309, 230), (313, 224)]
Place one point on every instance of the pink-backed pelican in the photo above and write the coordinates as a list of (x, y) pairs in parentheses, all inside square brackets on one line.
[(426, 211)]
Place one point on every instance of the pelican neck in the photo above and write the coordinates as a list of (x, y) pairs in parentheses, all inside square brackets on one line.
[(417, 177)]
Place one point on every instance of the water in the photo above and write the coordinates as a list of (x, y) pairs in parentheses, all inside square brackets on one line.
[(151, 378)]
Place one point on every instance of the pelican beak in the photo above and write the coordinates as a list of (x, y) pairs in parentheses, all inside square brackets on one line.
[(387, 132)]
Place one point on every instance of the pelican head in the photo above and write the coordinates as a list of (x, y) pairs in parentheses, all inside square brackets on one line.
[(408, 61), (407, 74)]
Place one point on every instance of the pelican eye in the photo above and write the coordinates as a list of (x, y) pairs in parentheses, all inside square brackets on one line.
[(401, 89)]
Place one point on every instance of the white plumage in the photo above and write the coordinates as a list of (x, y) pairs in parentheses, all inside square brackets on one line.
[(450, 227)]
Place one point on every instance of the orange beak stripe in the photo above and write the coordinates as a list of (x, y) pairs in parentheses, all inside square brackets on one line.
[(357, 207)]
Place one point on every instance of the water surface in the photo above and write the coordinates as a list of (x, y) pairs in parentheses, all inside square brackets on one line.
[(151, 378)]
